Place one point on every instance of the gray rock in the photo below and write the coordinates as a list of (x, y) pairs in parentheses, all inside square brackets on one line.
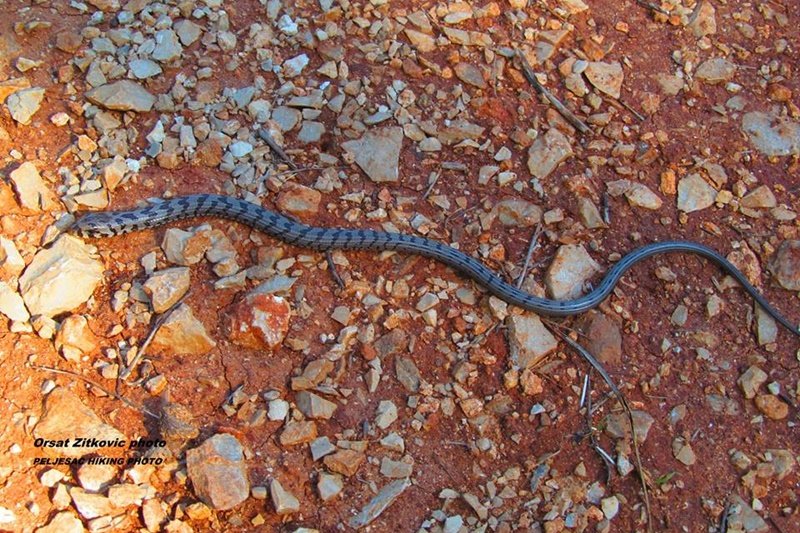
[(785, 265), (287, 118), (772, 136), (278, 410), (407, 373), (715, 70), (188, 32), (703, 21), (618, 425), (11, 304), (123, 95), (240, 148), (743, 517), (547, 152), (31, 190), (751, 380), (387, 495), (314, 406), (603, 337), (471, 74), (378, 153), (166, 287), (167, 48), (518, 213), (23, 104), (60, 278), (294, 67), (529, 340), (311, 131), (766, 327), (386, 414), (395, 469), (144, 68), (329, 486), (572, 266), (695, 193), (218, 472), (320, 447), (96, 478), (284, 501), (65, 417)]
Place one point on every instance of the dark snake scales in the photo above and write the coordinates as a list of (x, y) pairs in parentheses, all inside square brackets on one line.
[(109, 223)]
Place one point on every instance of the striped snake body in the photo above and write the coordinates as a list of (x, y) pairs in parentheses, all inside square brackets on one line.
[(109, 223)]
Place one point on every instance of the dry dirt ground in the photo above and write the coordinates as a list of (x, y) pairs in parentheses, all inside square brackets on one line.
[(664, 89)]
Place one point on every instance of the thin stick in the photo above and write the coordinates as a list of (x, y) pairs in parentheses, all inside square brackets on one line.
[(93, 383), (275, 147), (127, 371), (530, 75), (531, 247), (602, 371), (332, 267), (432, 185)]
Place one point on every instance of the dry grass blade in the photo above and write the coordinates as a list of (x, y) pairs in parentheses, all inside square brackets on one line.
[(530, 75), (602, 371), (95, 384)]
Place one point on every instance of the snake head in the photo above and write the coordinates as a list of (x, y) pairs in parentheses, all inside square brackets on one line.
[(97, 225)]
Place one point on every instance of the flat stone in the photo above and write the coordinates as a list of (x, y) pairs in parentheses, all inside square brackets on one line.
[(185, 247), (606, 77), (396, 469), (96, 478), (785, 265), (572, 266), (12, 85), (386, 414), (518, 213), (715, 70), (314, 406), (284, 501), (547, 152), (123, 95), (11, 262), (166, 287), (188, 32), (345, 462), (183, 333), (743, 517), (65, 417), (258, 321), (63, 522), (299, 200), (618, 425), (294, 67), (759, 198), (24, 103), (378, 153), (12, 305), (574, 7), (695, 193), (167, 48), (311, 132), (287, 118), (766, 327), (683, 452), (602, 337), (60, 278), (218, 472), (144, 68), (772, 136), (470, 74), (377, 505), (703, 21), (529, 340), (90, 505), (589, 214), (298, 433), (421, 41), (240, 148), (31, 190), (407, 373), (75, 334), (329, 486), (640, 195)]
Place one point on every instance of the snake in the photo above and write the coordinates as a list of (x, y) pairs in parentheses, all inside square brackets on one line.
[(111, 223)]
